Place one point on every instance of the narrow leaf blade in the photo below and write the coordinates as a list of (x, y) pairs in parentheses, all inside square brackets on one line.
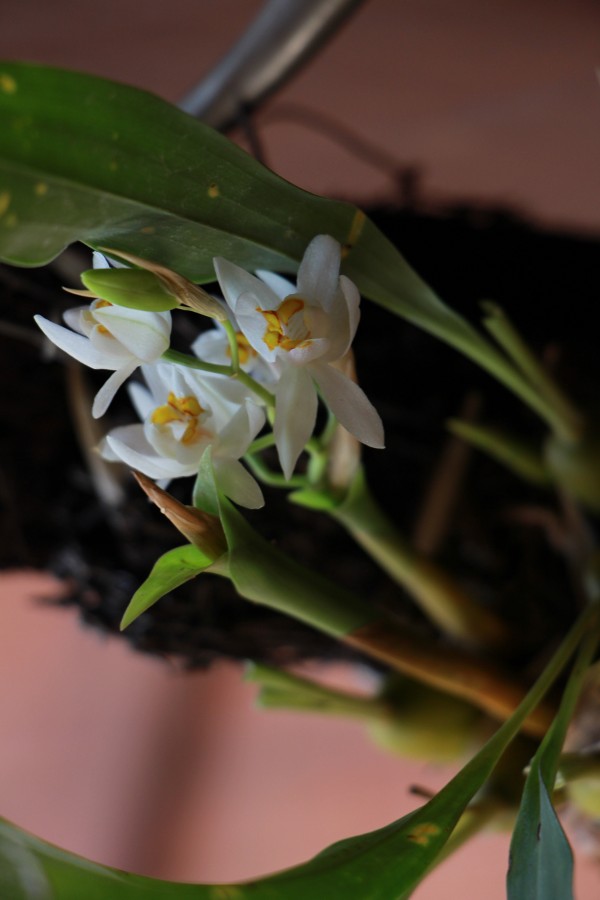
[(541, 859), (171, 570)]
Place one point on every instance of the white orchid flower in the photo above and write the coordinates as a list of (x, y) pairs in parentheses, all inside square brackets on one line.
[(301, 331), (185, 412), (105, 336), (212, 346)]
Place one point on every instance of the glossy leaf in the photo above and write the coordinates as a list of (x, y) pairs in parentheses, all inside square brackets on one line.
[(382, 865), (541, 858), (86, 159), (171, 570), (541, 861)]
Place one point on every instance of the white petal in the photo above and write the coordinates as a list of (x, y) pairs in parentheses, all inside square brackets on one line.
[(99, 260), (74, 319), (281, 287), (141, 399), (350, 405), (235, 281), (105, 395), (222, 393), (238, 484), (159, 378), (75, 345), (212, 346), (145, 335), (242, 428), (313, 349), (254, 325), (319, 271), (105, 343), (295, 415), (130, 446), (352, 298)]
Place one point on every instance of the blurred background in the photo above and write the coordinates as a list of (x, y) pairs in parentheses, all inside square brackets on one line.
[(121, 757)]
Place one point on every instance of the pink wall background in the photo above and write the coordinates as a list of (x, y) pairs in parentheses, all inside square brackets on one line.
[(120, 757)]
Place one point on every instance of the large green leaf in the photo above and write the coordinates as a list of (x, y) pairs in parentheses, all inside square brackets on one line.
[(381, 865), (82, 158)]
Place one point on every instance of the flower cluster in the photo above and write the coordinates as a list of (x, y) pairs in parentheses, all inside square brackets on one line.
[(274, 349)]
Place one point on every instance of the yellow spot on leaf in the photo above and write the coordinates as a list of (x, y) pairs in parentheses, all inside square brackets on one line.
[(4, 202), (11, 220), (223, 892), (8, 85), (41, 189), (356, 228), (422, 834), (113, 166), (213, 190)]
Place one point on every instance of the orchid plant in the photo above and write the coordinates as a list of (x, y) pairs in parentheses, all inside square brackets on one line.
[(266, 393)]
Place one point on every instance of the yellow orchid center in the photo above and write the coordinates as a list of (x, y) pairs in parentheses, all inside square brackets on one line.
[(100, 304), (286, 327), (246, 351), (183, 410)]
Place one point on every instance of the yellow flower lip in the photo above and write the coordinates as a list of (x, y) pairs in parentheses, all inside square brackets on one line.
[(281, 321), (246, 351), (186, 410)]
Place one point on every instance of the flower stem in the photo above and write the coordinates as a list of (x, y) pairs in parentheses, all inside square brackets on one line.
[(233, 346), (442, 600), (265, 395), (192, 362), (275, 479), (264, 575)]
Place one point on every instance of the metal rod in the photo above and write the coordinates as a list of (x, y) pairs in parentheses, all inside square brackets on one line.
[(285, 34)]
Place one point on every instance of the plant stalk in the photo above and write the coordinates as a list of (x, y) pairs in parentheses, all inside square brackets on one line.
[(440, 598)]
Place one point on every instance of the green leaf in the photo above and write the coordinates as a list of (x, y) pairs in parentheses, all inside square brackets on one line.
[(133, 288), (541, 861), (282, 690), (381, 865), (315, 499), (82, 158), (31, 869), (86, 159), (172, 569), (521, 458)]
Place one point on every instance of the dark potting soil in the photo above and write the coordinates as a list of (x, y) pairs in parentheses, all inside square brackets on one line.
[(494, 537)]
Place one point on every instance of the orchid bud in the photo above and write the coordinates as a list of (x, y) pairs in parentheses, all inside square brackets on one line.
[(132, 288), (185, 292)]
